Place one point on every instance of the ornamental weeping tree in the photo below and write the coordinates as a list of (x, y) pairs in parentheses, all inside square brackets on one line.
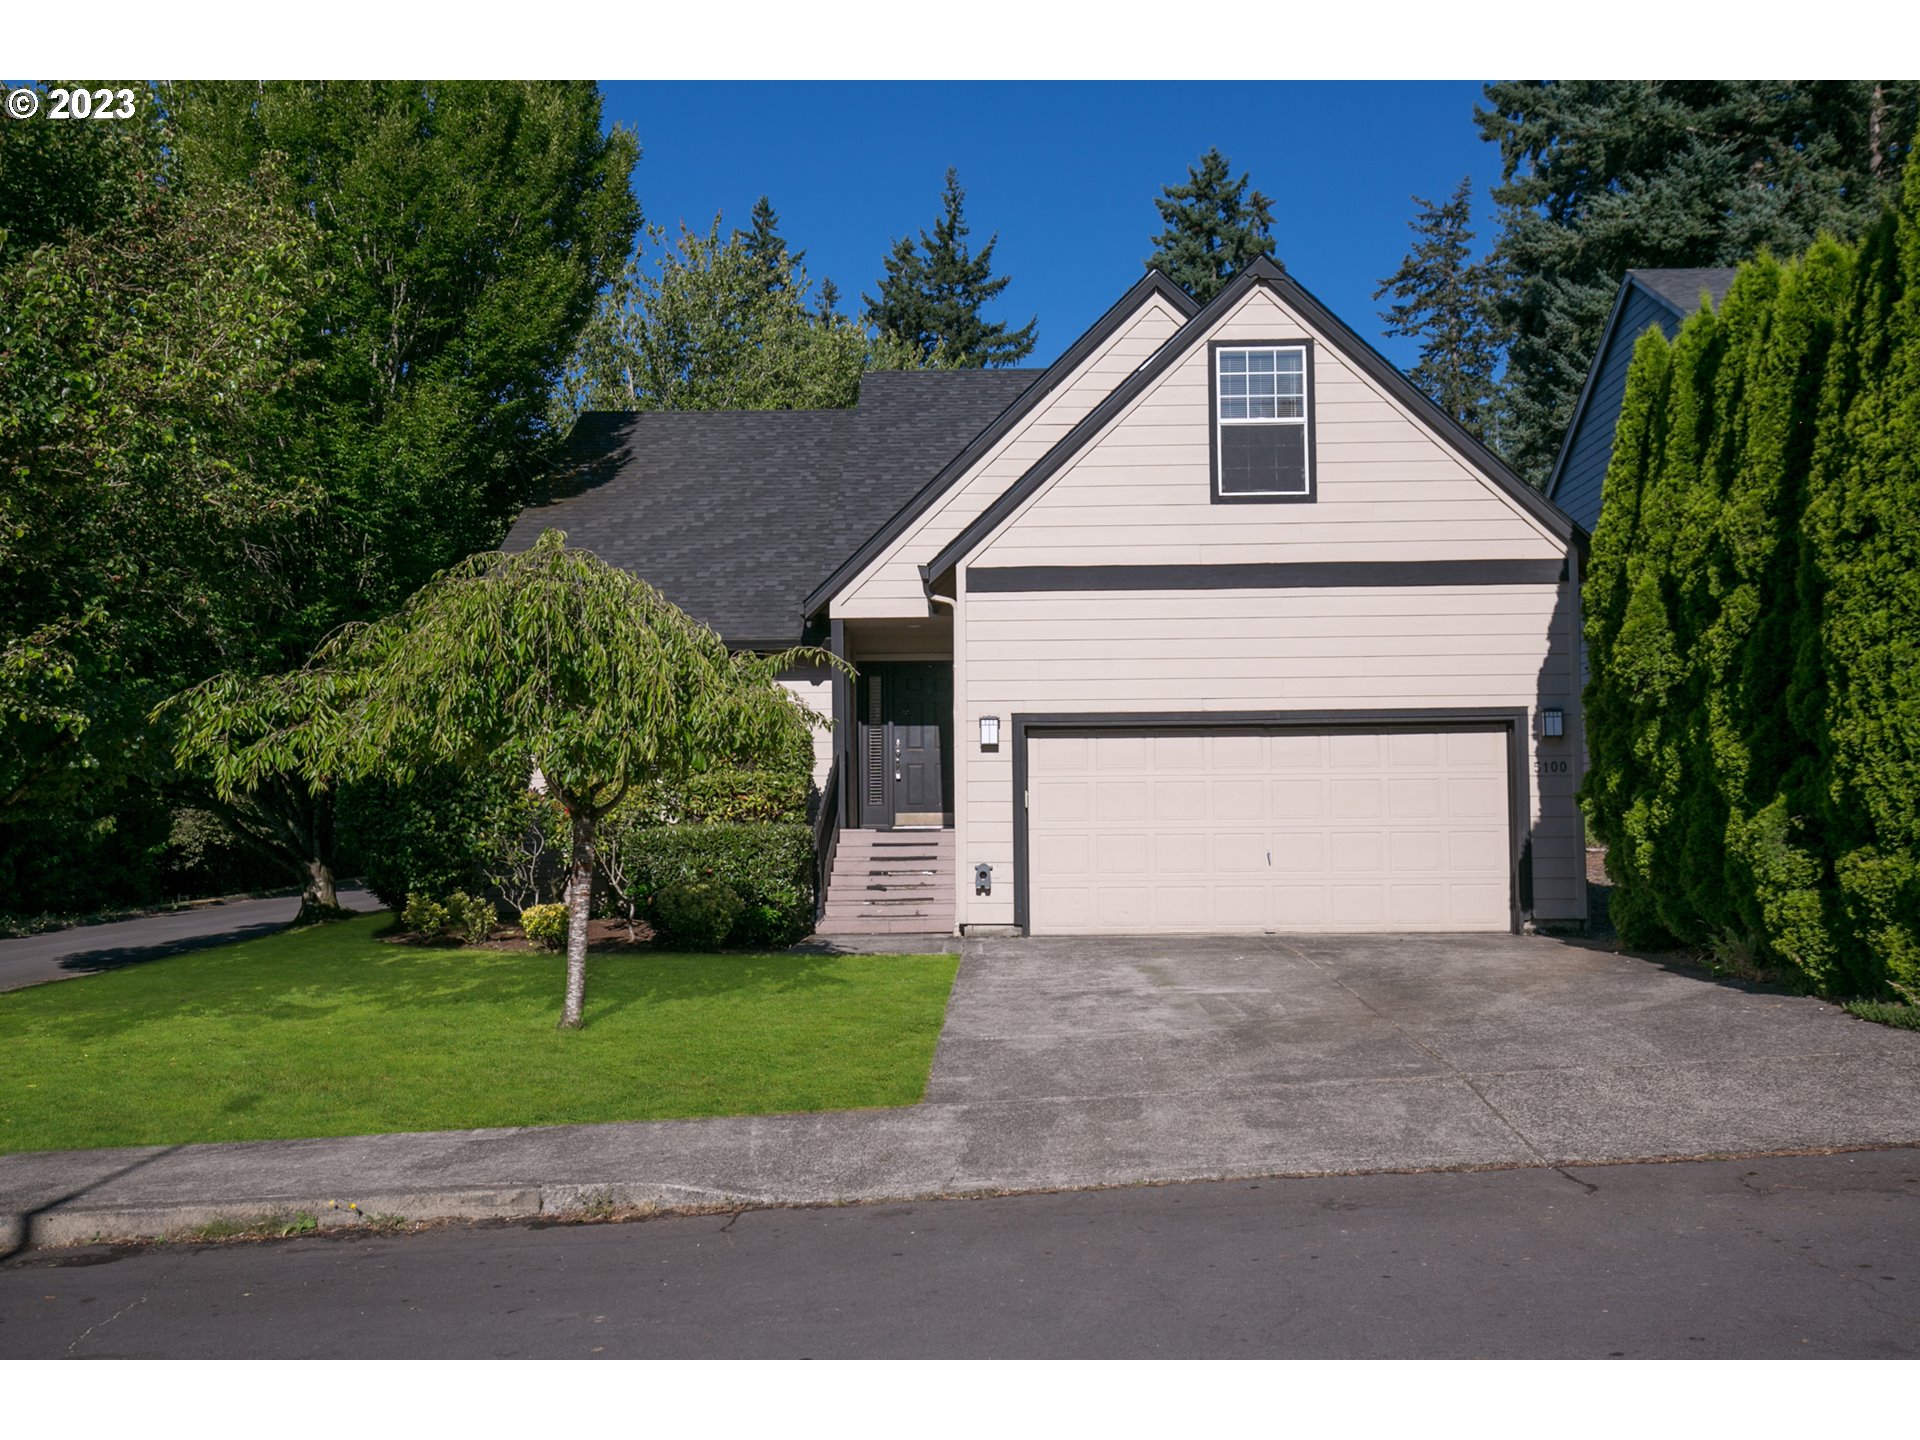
[(550, 658)]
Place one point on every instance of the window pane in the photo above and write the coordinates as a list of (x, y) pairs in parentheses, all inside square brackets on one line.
[(1263, 460), (1233, 384), (1260, 407), (1292, 361), (1233, 409), (1291, 384), (1260, 360), (1233, 362), (1290, 407)]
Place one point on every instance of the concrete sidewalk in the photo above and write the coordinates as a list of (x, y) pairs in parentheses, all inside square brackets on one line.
[(1086, 1063), (89, 949)]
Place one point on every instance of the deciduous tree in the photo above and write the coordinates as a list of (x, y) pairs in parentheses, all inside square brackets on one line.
[(551, 658)]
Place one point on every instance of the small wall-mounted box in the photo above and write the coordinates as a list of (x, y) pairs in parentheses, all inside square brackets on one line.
[(983, 879)]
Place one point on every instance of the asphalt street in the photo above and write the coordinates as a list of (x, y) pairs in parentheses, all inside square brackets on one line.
[(90, 949), (1811, 1256)]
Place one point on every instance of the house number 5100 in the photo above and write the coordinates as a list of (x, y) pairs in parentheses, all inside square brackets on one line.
[(1553, 767)]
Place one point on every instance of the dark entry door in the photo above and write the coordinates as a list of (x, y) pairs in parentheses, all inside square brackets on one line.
[(906, 743)]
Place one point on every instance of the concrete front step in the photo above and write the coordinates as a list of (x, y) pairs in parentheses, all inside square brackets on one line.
[(905, 925), (891, 882)]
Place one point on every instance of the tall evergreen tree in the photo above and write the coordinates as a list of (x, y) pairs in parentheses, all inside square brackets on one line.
[(934, 292), (1445, 300), (768, 247), (1605, 176), (1214, 229)]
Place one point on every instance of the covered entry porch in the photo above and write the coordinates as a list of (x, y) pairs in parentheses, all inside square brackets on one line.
[(885, 836)]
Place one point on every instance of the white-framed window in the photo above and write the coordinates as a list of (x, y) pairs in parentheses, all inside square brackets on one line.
[(1262, 422)]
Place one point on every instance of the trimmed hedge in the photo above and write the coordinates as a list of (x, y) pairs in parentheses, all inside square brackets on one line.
[(1753, 621), (769, 867)]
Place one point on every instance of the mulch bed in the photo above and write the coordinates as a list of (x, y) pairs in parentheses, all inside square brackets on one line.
[(604, 937)]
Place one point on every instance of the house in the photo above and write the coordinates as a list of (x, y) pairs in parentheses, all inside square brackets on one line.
[(1213, 625), (1647, 298)]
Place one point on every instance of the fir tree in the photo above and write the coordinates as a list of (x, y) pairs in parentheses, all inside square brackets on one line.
[(765, 245), (1445, 301), (1604, 176), (934, 292), (1214, 228)]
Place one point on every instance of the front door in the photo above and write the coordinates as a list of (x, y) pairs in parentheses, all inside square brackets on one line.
[(906, 743)]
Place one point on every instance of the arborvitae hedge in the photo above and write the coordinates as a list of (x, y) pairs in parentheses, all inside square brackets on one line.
[(1753, 621)]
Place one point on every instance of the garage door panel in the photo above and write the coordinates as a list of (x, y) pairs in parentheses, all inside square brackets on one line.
[(1237, 800), (1175, 801), (1361, 851), (1413, 798), (1241, 853), (1115, 855), (1354, 799), (1268, 830), (1128, 800), (1416, 852), (1181, 852), (1067, 801), (1298, 800)]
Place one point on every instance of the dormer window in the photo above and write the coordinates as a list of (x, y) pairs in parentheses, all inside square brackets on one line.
[(1263, 422)]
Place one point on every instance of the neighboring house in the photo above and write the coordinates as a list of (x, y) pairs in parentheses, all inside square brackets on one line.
[(1647, 298), (1214, 625)]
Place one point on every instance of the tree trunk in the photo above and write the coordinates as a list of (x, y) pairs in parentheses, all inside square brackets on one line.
[(1876, 113), (318, 900), (579, 901)]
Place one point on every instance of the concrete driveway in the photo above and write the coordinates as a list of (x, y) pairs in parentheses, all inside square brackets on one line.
[(1069, 1063), (1402, 1051)]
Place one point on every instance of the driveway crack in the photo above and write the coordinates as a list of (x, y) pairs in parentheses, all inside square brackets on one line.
[(1414, 1040)]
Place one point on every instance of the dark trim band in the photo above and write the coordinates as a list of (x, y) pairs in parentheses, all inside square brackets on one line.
[(1302, 575), (1514, 719)]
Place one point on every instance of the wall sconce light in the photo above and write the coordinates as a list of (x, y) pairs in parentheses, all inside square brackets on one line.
[(989, 732), (1552, 724)]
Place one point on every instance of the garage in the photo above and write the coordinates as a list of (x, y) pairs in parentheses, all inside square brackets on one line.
[(1137, 829)]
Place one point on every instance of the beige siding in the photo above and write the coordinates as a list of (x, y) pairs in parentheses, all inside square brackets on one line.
[(813, 688), (890, 585), (1239, 650), (1386, 490)]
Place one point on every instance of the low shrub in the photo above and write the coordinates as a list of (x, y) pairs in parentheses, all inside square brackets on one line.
[(697, 914), (1881, 1012), (545, 926), (769, 868), (471, 917), (424, 916)]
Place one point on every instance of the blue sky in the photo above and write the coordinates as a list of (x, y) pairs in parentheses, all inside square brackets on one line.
[(1065, 172)]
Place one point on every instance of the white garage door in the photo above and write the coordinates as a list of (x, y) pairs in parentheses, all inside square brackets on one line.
[(1139, 832)]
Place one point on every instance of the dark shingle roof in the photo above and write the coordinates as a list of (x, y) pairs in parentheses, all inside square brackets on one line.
[(1682, 288), (735, 515)]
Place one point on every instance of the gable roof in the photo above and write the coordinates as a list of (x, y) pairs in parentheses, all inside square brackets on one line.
[(1149, 285), (734, 515), (1681, 289), (1295, 297), (1677, 293)]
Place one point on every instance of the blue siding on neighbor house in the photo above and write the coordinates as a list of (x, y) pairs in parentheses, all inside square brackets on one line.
[(1583, 467)]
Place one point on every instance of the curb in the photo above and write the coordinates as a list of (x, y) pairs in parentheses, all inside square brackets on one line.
[(81, 1225)]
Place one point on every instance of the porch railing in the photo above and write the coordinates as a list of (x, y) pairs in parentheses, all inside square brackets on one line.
[(826, 838)]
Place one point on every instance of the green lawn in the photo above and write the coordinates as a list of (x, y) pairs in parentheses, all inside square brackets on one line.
[(328, 1031)]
